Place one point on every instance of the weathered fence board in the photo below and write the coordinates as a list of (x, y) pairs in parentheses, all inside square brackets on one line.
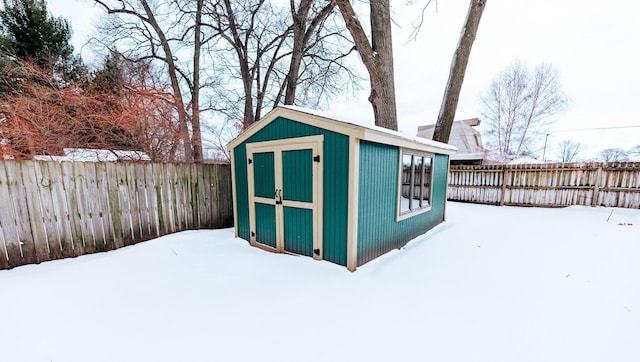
[(25, 240), (560, 184), (83, 199), (150, 197), (54, 210), (48, 209), (9, 232)]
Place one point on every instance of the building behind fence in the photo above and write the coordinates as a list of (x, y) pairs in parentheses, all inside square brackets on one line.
[(559, 184), (54, 210)]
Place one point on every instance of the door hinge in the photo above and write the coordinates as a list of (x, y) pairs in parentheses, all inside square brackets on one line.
[(316, 159), (316, 251), (250, 161)]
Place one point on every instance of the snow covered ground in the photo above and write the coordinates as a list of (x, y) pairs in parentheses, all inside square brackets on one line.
[(491, 284)]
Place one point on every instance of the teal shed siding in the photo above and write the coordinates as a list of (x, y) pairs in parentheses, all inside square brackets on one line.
[(297, 183), (335, 182), (378, 230), (263, 169), (266, 224), (298, 231)]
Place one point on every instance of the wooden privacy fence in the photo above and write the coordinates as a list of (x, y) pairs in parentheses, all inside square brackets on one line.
[(53, 210), (558, 184)]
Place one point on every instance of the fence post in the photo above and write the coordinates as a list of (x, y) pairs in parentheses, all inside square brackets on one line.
[(504, 184), (596, 187)]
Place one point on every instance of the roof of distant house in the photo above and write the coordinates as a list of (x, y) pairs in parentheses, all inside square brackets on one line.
[(463, 136), (96, 155)]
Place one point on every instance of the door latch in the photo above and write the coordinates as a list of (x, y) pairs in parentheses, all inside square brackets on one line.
[(278, 197)]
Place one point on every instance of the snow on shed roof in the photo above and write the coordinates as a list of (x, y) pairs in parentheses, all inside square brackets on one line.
[(358, 130)]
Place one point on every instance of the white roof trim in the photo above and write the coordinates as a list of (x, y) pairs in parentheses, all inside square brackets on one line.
[(362, 132), (468, 156)]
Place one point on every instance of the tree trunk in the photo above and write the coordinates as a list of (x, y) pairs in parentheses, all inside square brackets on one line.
[(447, 113), (377, 57), (301, 36), (175, 85), (247, 76), (299, 27), (196, 140), (383, 91)]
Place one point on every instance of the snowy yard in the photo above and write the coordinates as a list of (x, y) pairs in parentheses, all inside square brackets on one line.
[(491, 284)]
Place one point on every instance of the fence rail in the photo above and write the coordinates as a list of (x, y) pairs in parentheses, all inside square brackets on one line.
[(54, 210), (559, 184)]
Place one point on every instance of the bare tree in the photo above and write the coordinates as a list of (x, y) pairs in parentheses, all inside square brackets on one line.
[(569, 150), (158, 30), (613, 155), (303, 28), (222, 133), (271, 55), (255, 33), (377, 57), (194, 88), (147, 102), (449, 105), (518, 105), (635, 152)]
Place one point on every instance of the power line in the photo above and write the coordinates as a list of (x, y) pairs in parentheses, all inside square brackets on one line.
[(592, 129)]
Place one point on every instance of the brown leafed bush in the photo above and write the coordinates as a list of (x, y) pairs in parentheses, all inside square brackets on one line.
[(38, 116)]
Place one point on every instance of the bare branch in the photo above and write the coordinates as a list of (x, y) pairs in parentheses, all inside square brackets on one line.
[(518, 105)]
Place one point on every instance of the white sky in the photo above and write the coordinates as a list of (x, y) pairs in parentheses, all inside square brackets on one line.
[(593, 46)]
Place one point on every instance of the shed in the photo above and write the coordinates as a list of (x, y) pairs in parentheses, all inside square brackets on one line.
[(308, 184)]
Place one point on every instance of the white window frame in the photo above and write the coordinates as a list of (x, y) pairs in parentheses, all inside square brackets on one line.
[(400, 214)]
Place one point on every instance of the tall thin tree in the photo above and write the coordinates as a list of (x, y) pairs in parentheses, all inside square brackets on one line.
[(459, 63)]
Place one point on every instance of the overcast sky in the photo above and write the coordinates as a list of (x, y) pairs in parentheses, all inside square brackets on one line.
[(592, 44)]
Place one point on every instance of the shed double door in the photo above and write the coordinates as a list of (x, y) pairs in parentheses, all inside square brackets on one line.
[(285, 195)]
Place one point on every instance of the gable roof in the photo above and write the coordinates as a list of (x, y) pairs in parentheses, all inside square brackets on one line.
[(463, 136), (358, 131)]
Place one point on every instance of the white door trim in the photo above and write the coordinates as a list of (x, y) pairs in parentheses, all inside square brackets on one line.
[(315, 144)]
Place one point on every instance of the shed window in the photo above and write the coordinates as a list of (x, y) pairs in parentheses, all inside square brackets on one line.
[(414, 194)]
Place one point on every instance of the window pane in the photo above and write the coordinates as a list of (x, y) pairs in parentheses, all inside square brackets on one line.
[(406, 183), (417, 182), (426, 193), (422, 196)]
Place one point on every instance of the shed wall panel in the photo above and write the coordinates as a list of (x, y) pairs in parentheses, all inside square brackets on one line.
[(263, 173), (298, 231), (335, 178), (242, 191), (266, 224), (297, 181), (378, 230)]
